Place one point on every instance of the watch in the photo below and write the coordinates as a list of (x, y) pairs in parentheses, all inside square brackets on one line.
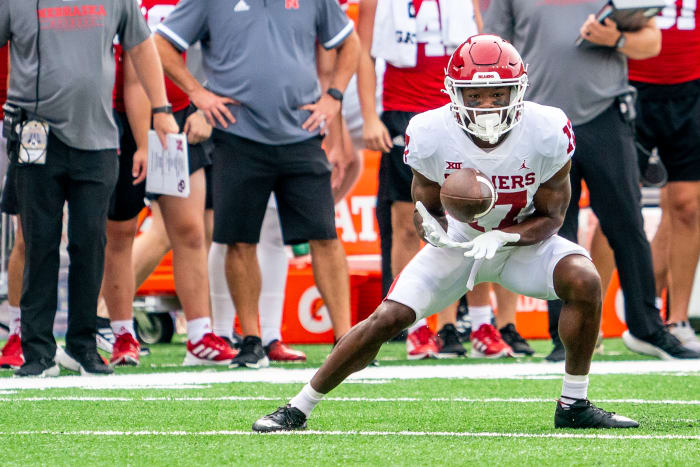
[(335, 94), (621, 41), (166, 109)]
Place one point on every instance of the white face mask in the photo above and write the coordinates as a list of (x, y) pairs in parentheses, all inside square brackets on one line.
[(487, 127)]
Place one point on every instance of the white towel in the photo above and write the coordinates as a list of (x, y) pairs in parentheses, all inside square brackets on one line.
[(458, 23)]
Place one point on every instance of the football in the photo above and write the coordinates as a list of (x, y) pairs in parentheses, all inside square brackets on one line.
[(467, 195)]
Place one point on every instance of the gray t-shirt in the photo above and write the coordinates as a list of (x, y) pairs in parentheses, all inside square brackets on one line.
[(76, 58), (583, 81), (262, 54)]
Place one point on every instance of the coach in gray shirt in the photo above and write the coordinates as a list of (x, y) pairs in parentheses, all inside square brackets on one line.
[(586, 82), (264, 97), (66, 150)]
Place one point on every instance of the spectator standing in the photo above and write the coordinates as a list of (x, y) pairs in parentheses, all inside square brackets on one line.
[(267, 134), (63, 99), (587, 81)]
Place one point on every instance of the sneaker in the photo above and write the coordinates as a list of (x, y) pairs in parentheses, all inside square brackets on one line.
[(421, 344), (684, 333), (91, 364), (464, 322), (285, 418), (512, 337), (583, 414), (39, 369), (209, 350), (448, 342), (276, 351), (488, 343), (126, 351), (252, 354), (104, 336), (661, 344), (558, 353), (11, 355)]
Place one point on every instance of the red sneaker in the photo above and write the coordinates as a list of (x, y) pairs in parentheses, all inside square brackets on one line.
[(488, 343), (278, 352), (125, 351), (11, 356), (210, 350), (421, 344)]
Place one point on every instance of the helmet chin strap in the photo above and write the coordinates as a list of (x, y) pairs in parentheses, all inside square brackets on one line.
[(487, 127)]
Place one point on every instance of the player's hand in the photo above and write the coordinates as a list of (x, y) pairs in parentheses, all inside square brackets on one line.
[(196, 128), (487, 244), (163, 124), (322, 112), (605, 34), (214, 107), (433, 232), (138, 168), (375, 135)]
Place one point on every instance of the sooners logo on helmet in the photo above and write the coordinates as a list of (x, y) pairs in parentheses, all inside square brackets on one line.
[(486, 60)]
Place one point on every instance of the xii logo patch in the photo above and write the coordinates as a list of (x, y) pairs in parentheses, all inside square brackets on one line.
[(291, 4), (453, 165)]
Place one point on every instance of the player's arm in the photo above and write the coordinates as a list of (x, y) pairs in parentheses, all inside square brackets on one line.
[(427, 192), (551, 201), (641, 44)]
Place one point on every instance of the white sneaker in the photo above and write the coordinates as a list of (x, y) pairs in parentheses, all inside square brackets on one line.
[(685, 333)]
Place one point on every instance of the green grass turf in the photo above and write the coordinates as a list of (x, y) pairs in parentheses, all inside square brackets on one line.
[(424, 415)]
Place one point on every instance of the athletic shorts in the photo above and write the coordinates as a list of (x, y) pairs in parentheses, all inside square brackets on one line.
[(127, 199), (246, 172), (437, 277), (199, 155), (395, 176), (668, 118), (209, 196)]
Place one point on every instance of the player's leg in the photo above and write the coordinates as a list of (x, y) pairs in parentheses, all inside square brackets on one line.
[(150, 247), (505, 321), (11, 355), (660, 250), (486, 341), (431, 281), (223, 313)]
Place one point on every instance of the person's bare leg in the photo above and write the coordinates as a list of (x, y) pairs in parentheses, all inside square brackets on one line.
[(405, 241), (150, 247), (507, 303), (244, 283), (184, 222), (330, 267), (603, 258), (15, 267), (118, 280), (661, 248), (447, 316)]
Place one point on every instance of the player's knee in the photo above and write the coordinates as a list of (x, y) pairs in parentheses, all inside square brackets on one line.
[(576, 280), (684, 209), (390, 319)]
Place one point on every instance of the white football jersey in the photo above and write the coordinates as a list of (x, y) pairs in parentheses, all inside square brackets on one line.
[(533, 152)]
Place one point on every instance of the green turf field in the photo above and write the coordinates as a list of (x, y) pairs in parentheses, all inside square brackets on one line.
[(380, 420)]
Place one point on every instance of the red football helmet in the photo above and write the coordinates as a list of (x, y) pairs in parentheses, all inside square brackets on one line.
[(486, 61)]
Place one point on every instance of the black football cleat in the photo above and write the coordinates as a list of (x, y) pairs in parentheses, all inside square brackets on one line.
[(512, 337), (285, 418), (583, 414), (448, 342)]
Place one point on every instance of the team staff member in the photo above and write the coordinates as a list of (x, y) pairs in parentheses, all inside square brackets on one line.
[(62, 77), (264, 96)]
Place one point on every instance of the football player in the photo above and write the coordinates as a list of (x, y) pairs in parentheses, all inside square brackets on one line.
[(525, 148)]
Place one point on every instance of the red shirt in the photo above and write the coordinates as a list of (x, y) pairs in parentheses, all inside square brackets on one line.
[(419, 88), (4, 52), (155, 11), (679, 60)]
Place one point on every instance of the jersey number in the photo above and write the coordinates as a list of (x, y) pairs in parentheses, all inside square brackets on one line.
[(684, 19), (516, 200)]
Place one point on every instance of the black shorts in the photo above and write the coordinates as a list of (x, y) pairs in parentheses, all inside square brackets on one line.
[(8, 202), (246, 172), (198, 155), (668, 118), (127, 199), (395, 176)]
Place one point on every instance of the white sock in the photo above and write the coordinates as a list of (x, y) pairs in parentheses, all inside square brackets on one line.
[(307, 399), (222, 310), (659, 302), (274, 263), (123, 327), (480, 315), (419, 324), (196, 329), (14, 319), (574, 387)]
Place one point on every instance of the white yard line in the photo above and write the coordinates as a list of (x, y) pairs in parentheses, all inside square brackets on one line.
[(446, 434), (302, 375)]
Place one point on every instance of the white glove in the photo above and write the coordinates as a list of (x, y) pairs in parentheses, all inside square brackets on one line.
[(434, 233), (487, 244)]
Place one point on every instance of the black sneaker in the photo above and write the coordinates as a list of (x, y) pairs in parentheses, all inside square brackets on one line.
[(252, 354), (512, 337), (285, 418), (583, 414), (41, 368), (448, 342), (87, 364), (661, 344), (558, 353)]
